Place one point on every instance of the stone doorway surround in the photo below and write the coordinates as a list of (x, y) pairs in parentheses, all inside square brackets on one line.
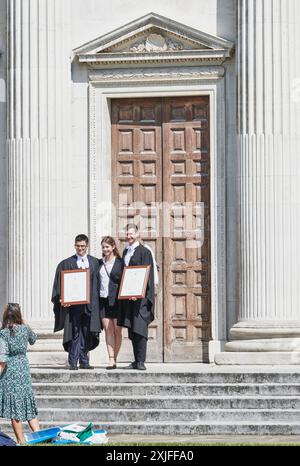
[(154, 56)]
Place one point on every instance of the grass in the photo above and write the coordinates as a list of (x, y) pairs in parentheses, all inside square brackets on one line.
[(198, 444)]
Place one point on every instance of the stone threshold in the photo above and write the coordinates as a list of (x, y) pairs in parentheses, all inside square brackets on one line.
[(179, 367)]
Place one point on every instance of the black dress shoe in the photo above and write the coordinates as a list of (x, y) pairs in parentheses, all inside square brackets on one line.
[(140, 366), (73, 368), (131, 366), (110, 367), (85, 366)]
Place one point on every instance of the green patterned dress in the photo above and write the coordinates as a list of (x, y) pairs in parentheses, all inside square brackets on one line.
[(16, 396)]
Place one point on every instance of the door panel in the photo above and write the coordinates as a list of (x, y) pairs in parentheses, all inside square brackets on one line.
[(186, 246)]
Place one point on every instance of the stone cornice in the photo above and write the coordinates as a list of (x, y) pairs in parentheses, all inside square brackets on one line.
[(215, 57), (157, 74)]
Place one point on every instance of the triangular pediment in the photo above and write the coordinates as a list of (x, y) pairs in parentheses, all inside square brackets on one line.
[(154, 38)]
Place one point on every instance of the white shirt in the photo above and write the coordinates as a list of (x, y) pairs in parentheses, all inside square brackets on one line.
[(83, 262), (130, 252), (104, 278), (155, 269)]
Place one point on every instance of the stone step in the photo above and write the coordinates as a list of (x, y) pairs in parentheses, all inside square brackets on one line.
[(133, 376), (165, 389), (62, 415), (154, 402), (168, 402), (187, 428)]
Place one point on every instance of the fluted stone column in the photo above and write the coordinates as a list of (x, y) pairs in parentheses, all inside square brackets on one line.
[(268, 70), (38, 152)]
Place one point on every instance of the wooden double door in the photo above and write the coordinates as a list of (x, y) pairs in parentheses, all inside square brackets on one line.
[(161, 181)]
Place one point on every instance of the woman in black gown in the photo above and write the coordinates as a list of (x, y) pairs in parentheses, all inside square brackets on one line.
[(110, 272)]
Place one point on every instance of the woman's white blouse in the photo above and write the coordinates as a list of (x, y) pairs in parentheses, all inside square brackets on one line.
[(104, 279)]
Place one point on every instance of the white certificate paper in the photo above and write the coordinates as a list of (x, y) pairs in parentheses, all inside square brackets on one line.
[(75, 286), (134, 282)]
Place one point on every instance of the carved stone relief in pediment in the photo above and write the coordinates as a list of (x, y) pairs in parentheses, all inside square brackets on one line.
[(154, 40)]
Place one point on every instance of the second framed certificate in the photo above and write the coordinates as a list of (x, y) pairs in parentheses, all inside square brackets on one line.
[(134, 282), (75, 287)]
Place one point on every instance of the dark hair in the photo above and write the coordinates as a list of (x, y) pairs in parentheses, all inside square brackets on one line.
[(132, 226), (81, 238), (12, 316), (110, 240)]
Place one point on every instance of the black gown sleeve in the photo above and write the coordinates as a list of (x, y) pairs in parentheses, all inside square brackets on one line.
[(56, 285), (59, 312)]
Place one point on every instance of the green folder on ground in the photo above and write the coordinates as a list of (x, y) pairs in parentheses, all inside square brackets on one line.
[(86, 433), (81, 432)]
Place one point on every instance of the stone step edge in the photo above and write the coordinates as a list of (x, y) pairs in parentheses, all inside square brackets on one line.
[(164, 384), (170, 410), (203, 378), (168, 371), (167, 397), (173, 423)]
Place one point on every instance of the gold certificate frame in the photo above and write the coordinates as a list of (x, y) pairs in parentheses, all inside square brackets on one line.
[(75, 287), (134, 282)]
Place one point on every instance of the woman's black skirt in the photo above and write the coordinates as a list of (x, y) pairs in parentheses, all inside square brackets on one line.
[(107, 311)]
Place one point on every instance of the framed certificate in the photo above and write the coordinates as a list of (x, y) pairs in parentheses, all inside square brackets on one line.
[(134, 282), (75, 287)]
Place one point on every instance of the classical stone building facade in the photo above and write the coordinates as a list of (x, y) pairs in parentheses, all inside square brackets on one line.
[(184, 119)]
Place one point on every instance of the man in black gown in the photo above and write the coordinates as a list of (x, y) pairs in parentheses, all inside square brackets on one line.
[(81, 323), (137, 314)]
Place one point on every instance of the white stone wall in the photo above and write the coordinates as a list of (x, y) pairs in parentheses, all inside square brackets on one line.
[(3, 159), (64, 27), (48, 137), (93, 18)]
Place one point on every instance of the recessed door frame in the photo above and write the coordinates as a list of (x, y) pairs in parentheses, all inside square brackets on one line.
[(101, 91)]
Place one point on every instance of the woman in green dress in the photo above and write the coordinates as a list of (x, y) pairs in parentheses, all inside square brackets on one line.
[(17, 401)]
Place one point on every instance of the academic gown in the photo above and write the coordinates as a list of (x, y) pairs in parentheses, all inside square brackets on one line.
[(137, 315), (62, 317)]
